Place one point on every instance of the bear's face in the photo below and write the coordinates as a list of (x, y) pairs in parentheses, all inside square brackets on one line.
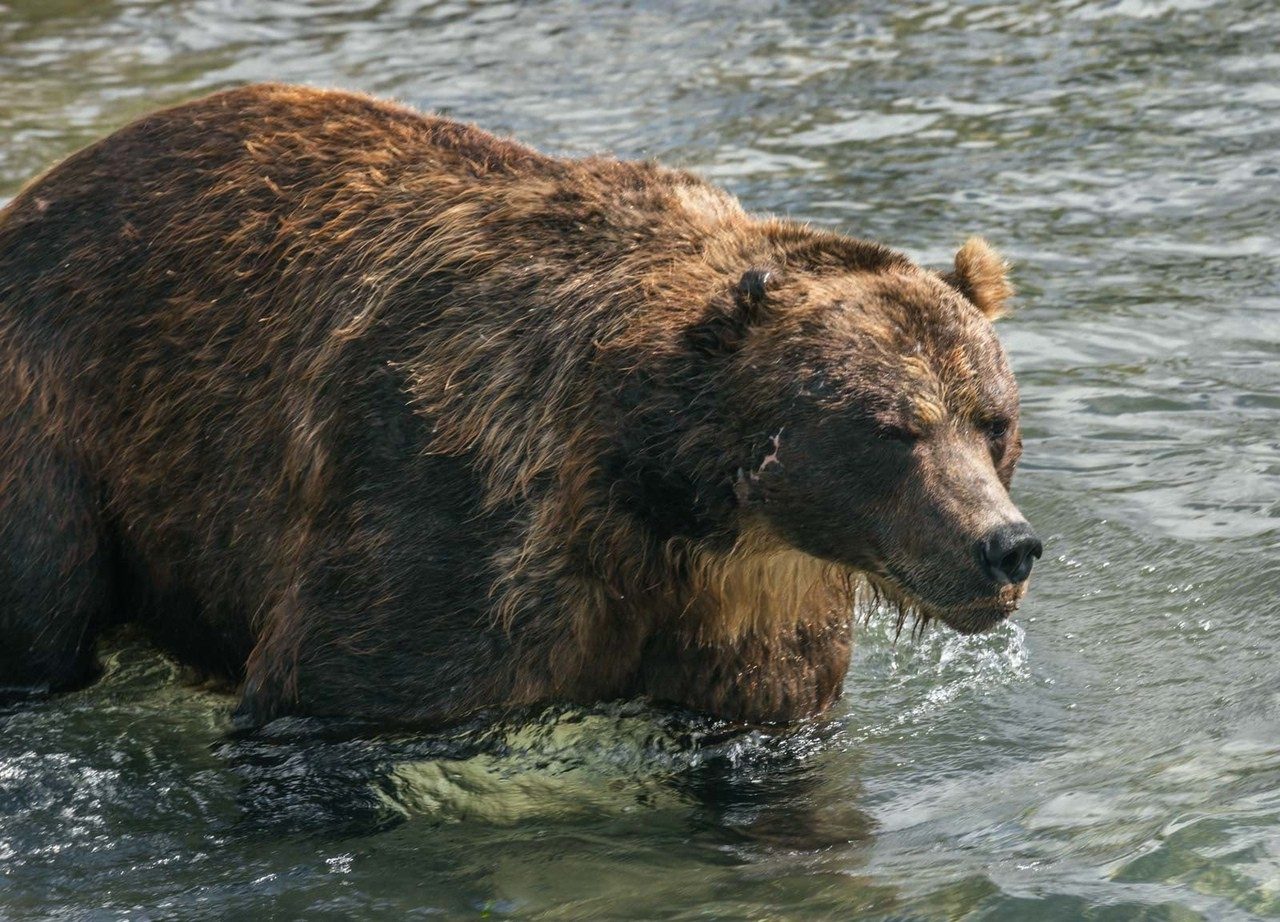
[(889, 440)]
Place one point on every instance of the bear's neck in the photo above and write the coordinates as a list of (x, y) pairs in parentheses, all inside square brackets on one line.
[(761, 588)]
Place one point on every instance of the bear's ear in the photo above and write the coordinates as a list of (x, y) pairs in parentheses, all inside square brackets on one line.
[(751, 294), (982, 276), (746, 305)]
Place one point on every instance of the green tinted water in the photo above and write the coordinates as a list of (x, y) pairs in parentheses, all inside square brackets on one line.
[(1114, 754)]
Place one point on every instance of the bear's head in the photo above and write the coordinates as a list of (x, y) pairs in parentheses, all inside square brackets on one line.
[(878, 425)]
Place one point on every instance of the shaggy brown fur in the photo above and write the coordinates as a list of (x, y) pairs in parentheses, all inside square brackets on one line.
[(385, 416)]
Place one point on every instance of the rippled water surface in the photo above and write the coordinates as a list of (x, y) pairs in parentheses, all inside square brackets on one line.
[(1114, 754)]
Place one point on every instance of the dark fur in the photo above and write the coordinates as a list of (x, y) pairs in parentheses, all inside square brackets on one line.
[(385, 416)]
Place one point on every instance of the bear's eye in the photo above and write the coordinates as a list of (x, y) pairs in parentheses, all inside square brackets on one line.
[(892, 433), (997, 428)]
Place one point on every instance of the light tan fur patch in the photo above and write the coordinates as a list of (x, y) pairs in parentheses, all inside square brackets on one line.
[(761, 587), (983, 275)]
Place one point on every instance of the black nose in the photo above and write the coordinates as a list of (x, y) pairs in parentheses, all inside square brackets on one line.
[(1009, 551)]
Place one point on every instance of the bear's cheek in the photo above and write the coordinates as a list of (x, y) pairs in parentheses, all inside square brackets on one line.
[(826, 496)]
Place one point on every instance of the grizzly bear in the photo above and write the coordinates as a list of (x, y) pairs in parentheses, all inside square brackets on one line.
[(379, 415)]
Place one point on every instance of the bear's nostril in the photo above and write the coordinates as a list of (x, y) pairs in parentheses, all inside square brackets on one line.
[(1009, 552)]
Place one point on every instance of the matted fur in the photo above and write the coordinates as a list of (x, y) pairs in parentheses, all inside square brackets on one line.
[(387, 416)]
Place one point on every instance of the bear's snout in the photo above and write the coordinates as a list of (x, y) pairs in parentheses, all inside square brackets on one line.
[(1009, 551)]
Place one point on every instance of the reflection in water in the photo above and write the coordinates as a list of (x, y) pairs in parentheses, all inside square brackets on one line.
[(561, 764), (1111, 755), (168, 790)]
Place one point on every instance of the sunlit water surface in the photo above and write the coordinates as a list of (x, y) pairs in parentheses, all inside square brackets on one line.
[(1113, 754)]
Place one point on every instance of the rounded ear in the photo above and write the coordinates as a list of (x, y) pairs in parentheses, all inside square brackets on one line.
[(982, 276), (751, 293), (729, 319)]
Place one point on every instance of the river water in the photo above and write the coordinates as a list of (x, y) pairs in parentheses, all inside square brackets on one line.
[(1112, 754)]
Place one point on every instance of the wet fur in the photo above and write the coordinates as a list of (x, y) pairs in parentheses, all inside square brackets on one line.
[(382, 415)]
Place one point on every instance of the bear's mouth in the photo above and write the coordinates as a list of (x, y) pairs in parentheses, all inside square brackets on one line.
[(981, 614), (970, 616)]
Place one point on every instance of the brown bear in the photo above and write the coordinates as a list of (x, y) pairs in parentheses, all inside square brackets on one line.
[(380, 415)]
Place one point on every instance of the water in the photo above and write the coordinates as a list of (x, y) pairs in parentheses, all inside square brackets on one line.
[(1114, 754)]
